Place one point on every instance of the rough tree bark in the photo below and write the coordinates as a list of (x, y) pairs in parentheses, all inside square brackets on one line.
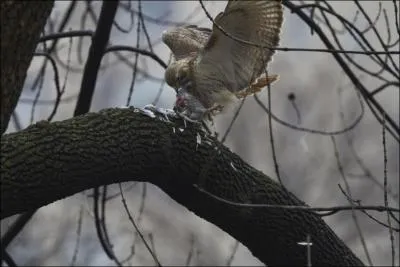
[(50, 161), (20, 29)]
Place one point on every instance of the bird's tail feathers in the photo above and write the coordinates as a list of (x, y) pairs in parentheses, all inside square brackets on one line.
[(257, 85)]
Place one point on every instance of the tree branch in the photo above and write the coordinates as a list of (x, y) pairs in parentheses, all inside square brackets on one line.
[(50, 161)]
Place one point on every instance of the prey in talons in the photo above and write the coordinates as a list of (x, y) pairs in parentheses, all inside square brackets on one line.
[(191, 109)]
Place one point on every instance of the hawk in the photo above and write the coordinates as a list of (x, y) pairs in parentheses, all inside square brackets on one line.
[(213, 68)]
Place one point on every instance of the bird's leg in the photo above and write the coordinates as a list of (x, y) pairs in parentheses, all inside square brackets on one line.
[(215, 109), (194, 116), (210, 112), (188, 118), (195, 112)]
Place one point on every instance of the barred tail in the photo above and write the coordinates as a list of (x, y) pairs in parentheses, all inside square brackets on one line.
[(257, 85)]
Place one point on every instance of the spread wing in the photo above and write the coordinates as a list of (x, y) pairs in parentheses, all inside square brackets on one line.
[(239, 64), (185, 40)]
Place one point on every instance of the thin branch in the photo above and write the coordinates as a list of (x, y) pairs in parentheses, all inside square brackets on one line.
[(385, 195), (136, 50), (8, 259), (348, 192), (132, 85), (364, 92), (15, 228), (78, 237), (69, 34), (137, 228), (313, 131)]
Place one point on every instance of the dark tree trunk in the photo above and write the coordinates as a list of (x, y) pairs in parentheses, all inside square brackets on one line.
[(21, 25)]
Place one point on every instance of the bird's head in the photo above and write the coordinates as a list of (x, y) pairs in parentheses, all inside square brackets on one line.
[(177, 74)]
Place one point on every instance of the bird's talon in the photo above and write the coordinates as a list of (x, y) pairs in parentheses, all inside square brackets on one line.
[(186, 118)]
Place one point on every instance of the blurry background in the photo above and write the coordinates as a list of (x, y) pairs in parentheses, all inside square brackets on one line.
[(64, 233)]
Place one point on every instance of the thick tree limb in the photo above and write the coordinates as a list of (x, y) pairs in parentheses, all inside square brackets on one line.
[(50, 161), (21, 25)]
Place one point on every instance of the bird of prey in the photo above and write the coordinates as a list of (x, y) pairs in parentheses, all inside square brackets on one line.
[(213, 68)]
